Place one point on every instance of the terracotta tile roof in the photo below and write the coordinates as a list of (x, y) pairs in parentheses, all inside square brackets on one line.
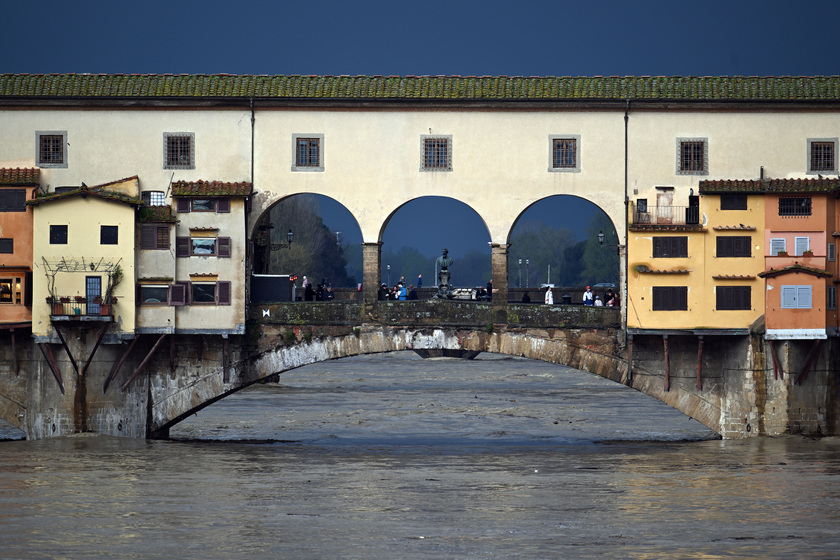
[(644, 269), (771, 186), (84, 191), (19, 175), (733, 277), (740, 227), (221, 86), (156, 214), (795, 267), (206, 189)]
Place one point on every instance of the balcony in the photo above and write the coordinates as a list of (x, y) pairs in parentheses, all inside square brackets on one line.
[(665, 216), (81, 309)]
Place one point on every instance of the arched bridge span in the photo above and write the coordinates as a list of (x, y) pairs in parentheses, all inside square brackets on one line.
[(278, 344)]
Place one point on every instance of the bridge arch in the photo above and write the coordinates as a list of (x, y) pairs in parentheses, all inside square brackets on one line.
[(596, 352)]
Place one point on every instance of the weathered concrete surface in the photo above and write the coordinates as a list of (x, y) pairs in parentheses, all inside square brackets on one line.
[(740, 396)]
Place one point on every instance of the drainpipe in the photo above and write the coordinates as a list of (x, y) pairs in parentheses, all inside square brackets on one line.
[(626, 225), (245, 218)]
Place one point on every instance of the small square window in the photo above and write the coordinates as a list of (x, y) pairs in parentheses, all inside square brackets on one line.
[(733, 201), (12, 200), (437, 153), (203, 292), (692, 156), (565, 155), (7, 245), (307, 152), (154, 237), (51, 149), (822, 155), (178, 150), (108, 235), (203, 246), (58, 235)]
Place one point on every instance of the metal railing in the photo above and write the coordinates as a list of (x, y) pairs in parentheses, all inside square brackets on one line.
[(74, 306), (667, 215)]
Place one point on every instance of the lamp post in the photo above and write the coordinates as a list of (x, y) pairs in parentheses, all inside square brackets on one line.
[(289, 237), (602, 238), (520, 273), (389, 275), (527, 273)]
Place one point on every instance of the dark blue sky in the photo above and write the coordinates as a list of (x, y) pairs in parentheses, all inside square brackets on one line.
[(436, 37)]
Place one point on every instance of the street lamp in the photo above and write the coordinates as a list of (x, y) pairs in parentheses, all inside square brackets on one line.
[(389, 275), (289, 237), (602, 238), (527, 273), (520, 273)]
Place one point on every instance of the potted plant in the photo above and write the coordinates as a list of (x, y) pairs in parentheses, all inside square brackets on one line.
[(781, 254), (81, 299), (807, 253), (65, 299)]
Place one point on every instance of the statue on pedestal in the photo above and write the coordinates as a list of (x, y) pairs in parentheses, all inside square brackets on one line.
[(443, 263)]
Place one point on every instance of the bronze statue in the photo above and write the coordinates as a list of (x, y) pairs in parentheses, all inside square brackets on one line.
[(443, 263)]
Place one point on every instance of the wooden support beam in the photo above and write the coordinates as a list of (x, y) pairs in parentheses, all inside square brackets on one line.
[(699, 363), (777, 368), (67, 349), (48, 356), (95, 347), (14, 352), (225, 359), (809, 361), (143, 363), (667, 363), (118, 364)]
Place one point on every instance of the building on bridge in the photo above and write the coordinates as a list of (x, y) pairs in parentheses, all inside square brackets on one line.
[(207, 157)]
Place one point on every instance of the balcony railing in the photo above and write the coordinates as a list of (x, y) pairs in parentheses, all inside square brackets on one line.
[(668, 215), (80, 307)]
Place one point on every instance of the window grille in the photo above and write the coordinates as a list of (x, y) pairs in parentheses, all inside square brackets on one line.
[(179, 150), (154, 198), (795, 206), (308, 152), (692, 156), (52, 149), (437, 154), (565, 153), (822, 156)]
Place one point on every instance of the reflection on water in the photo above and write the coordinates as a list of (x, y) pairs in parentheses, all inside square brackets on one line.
[(395, 457)]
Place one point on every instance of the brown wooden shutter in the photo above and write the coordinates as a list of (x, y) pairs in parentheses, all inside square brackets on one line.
[(223, 205), (182, 247), (177, 294), (148, 237), (183, 205), (223, 293), (223, 246)]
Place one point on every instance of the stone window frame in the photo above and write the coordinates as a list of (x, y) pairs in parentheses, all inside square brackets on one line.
[(319, 168), (449, 157), (166, 137), (552, 138), (64, 149), (684, 140), (810, 160)]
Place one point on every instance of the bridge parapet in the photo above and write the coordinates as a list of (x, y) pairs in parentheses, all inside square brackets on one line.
[(438, 313)]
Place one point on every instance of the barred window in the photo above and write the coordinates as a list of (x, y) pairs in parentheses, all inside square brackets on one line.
[(52, 149), (565, 152), (692, 156), (437, 153), (831, 297), (670, 298), (308, 152), (795, 206), (179, 150), (822, 156), (733, 298)]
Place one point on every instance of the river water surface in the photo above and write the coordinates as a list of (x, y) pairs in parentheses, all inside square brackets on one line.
[(396, 457)]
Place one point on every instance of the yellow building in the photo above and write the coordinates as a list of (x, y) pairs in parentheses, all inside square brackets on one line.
[(83, 253), (694, 268)]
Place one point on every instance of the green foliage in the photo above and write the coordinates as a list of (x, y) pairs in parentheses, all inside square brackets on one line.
[(315, 251), (307, 337), (489, 328), (357, 332), (290, 337)]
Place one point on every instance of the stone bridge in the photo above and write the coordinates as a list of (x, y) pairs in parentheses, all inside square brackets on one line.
[(141, 389)]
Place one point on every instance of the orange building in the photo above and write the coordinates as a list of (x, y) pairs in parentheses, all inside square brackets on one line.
[(16, 187)]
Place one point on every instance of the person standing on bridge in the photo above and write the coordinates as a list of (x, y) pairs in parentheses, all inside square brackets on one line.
[(588, 298), (419, 280), (549, 296)]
